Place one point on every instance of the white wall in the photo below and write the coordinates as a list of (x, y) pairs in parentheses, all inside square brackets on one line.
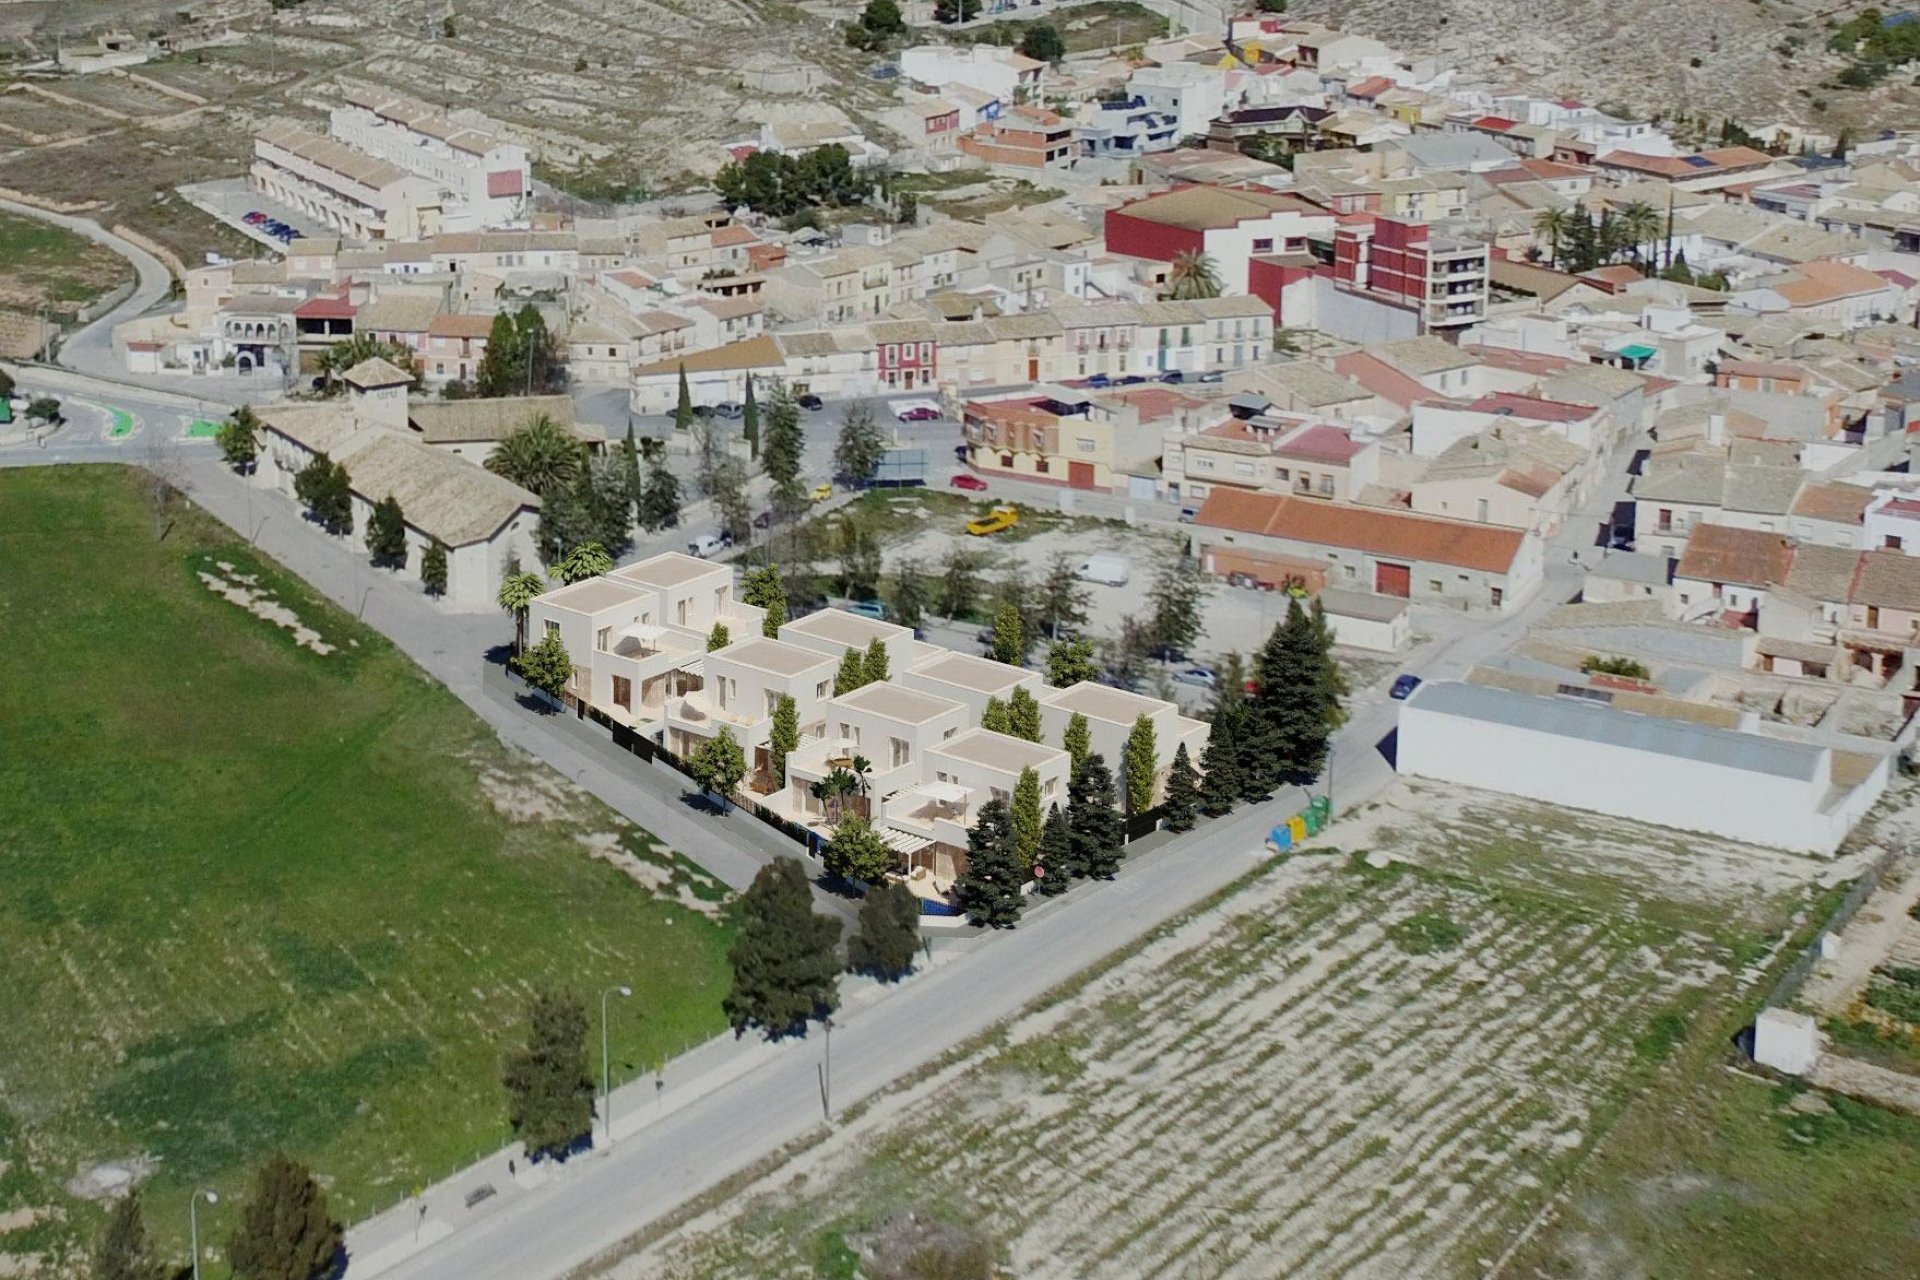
[(1671, 791)]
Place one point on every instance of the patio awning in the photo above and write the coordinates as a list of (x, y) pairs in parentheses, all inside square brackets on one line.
[(644, 632), (1639, 352), (944, 792), (901, 841)]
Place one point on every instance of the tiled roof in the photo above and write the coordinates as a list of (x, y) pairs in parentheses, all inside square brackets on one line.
[(1745, 557), (1381, 533), (1888, 580), (1836, 503)]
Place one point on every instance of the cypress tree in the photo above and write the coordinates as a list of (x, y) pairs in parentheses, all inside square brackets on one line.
[(1183, 793), (719, 637), (1056, 854), (763, 589), (549, 1089), (852, 673), (876, 667), (1023, 715), (1095, 821), (124, 1252), (750, 422), (994, 717), (284, 1231), (683, 409), (1026, 816), (990, 890), (1139, 762), (387, 532), (784, 968), (1221, 781), (887, 933), (433, 568), (1078, 741), (783, 738), (1009, 641)]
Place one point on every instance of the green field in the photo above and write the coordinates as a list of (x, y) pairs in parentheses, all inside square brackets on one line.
[(256, 896), (40, 262)]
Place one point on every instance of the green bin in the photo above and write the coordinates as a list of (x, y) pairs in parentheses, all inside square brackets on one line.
[(1319, 814)]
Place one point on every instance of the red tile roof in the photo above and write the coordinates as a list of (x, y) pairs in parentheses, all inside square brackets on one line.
[(1746, 557), (1494, 124), (326, 307), (1322, 443), (1531, 408), (1379, 533), (1380, 378)]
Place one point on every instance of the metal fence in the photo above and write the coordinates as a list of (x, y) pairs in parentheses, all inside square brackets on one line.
[(1796, 975)]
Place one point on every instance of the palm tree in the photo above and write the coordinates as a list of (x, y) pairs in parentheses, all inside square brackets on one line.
[(1193, 276), (1553, 225), (1639, 225), (588, 560), (539, 455), (517, 591), (342, 356)]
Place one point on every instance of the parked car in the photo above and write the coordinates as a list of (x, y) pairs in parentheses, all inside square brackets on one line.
[(868, 609), (919, 413), (1173, 375), (1215, 376), (1189, 514), (993, 522), (821, 492), (1099, 380), (810, 402), (959, 453), (728, 409), (1201, 677), (1167, 653), (708, 543), (973, 483), (764, 520), (255, 218), (1403, 687)]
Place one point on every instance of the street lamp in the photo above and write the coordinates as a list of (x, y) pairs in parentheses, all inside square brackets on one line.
[(193, 1223), (606, 1063)]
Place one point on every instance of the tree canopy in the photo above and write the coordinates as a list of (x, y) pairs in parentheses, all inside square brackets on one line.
[(547, 666), (520, 358), (886, 933), (285, 1232), (777, 184), (549, 1088), (856, 852), (1098, 836), (785, 971), (989, 892)]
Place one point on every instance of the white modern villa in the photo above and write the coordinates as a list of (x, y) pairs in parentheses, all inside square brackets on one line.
[(638, 640)]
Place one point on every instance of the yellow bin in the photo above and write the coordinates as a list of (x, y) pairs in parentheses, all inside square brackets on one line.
[(1297, 825)]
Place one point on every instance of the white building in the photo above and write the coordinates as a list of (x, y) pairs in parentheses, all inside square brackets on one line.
[(1003, 73), (1674, 773), (484, 180)]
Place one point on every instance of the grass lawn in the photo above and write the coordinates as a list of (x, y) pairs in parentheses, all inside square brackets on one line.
[(255, 896), (40, 262)]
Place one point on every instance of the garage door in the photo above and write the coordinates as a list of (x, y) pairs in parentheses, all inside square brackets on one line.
[(1080, 475), (1393, 579)]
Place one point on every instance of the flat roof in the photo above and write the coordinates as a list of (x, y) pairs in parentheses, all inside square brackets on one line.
[(845, 628), (998, 750), (591, 595), (668, 569), (774, 656), (1596, 722), (897, 702), (1104, 702), (983, 675)]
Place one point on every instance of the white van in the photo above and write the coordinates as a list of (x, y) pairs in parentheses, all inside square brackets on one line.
[(1108, 569), (708, 543)]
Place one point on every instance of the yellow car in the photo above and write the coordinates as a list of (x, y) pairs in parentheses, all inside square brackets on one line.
[(822, 492), (999, 518)]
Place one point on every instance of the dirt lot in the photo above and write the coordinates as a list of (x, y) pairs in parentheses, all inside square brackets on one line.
[(40, 263), (1379, 1059)]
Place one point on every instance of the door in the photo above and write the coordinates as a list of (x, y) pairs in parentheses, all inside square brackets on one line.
[(623, 693), (1033, 369), (1393, 579), (1080, 475)]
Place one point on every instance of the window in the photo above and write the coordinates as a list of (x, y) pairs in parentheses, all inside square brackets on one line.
[(820, 690), (553, 628), (943, 737), (604, 640), (1000, 795), (1083, 443), (1243, 468), (901, 751), (1326, 486), (1893, 542), (1433, 585), (1281, 473)]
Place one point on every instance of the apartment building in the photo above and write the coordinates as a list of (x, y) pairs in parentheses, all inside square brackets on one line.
[(1441, 278), (484, 180), (1111, 715), (1024, 137), (357, 195)]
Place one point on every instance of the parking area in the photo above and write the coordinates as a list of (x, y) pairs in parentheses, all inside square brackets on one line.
[(257, 216)]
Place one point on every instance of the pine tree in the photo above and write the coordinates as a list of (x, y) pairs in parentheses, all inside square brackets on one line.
[(763, 589), (783, 738), (1023, 714), (1183, 793), (989, 892), (1140, 765), (876, 667), (852, 673), (1098, 834), (549, 1088), (856, 852), (284, 1231), (1025, 816), (387, 533), (861, 447), (659, 504), (1009, 645), (887, 932), (1078, 741), (124, 1252), (750, 422), (1055, 859), (433, 568), (719, 637), (1296, 705), (785, 971), (909, 598), (1221, 783), (994, 716), (1071, 661)]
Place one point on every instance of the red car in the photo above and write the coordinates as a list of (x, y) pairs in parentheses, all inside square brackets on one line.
[(974, 483)]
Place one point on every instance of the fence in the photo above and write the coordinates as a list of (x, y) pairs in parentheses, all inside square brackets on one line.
[(1791, 981)]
